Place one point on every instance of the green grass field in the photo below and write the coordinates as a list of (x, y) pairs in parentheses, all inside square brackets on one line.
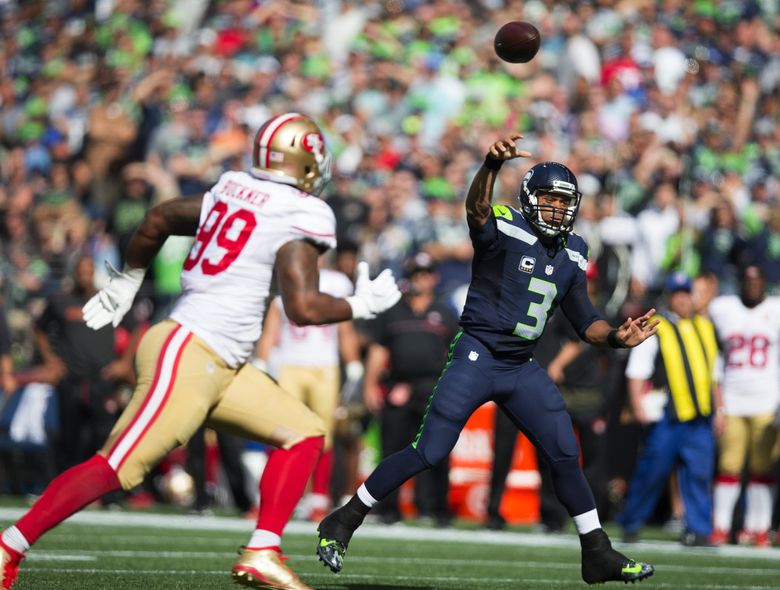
[(126, 550)]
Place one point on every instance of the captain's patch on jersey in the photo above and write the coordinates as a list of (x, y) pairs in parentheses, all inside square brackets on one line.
[(527, 264)]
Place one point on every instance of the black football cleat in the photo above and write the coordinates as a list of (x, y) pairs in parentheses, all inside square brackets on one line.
[(601, 563), (334, 536)]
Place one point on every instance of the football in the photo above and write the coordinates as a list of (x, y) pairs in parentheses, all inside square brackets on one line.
[(517, 42)]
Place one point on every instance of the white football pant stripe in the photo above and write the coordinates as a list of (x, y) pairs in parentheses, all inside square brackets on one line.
[(156, 398)]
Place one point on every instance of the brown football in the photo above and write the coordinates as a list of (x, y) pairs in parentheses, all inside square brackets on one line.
[(517, 42)]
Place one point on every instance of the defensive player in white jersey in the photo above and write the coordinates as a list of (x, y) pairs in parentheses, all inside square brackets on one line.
[(307, 366), (748, 328), (192, 367)]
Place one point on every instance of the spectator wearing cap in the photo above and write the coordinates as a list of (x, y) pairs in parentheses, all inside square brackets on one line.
[(674, 394), (408, 351)]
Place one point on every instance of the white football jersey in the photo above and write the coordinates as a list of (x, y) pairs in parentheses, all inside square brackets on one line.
[(313, 346), (749, 339), (226, 278)]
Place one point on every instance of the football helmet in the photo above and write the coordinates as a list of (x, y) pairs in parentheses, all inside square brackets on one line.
[(290, 149), (549, 178)]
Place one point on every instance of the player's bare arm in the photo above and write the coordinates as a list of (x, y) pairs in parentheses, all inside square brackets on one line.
[(299, 283), (631, 333), (480, 195), (304, 303), (177, 217)]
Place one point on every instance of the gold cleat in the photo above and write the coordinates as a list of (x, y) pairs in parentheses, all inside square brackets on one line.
[(263, 568)]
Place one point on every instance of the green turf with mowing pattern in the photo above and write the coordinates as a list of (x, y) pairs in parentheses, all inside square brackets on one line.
[(163, 555)]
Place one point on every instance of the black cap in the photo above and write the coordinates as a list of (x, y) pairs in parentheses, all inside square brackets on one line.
[(420, 262)]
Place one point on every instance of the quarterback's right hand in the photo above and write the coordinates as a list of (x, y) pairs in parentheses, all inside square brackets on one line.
[(507, 149), (113, 301), (373, 297)]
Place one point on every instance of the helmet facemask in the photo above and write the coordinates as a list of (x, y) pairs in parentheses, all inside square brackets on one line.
[(290, 149), (535, 185)]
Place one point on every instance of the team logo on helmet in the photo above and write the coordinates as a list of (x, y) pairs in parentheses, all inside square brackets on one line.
[(312, 142)]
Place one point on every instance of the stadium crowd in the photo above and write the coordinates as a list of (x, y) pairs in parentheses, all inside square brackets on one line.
[(667, 112)]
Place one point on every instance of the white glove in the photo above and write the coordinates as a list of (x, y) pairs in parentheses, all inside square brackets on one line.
[(351, 392), (113, 301), (373, 297)]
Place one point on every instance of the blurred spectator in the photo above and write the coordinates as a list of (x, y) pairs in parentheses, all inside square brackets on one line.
[(722, 248), (7, 379), (83, 366), (654, 227), (765, 247)]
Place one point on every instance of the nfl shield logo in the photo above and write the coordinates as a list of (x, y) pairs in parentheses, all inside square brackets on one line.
[(548, 270)]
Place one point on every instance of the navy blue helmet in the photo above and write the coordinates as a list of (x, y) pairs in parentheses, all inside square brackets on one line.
[(549, 178)]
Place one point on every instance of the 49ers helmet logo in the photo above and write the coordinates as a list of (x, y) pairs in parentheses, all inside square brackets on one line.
[(313, 142)]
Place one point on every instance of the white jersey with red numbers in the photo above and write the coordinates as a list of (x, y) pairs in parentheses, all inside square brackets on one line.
[(749, 339), (313, 346), (226, 278)]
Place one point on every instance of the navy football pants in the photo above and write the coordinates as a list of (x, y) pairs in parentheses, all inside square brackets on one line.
[(524, 391)]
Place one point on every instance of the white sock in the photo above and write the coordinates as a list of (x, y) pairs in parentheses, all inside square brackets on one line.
[(758, 507), (365, 497), (318, 501), (15, 539), (724, 499), (261, 538), (587, 522)]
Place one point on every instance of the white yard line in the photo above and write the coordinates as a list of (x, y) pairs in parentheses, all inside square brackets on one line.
[(397, 532), (94, 554)]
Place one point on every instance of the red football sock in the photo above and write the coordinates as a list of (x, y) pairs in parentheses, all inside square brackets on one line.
[(320, 482), (284, 479), (68, 493)]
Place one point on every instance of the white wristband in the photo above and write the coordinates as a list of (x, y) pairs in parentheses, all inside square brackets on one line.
[(354, 370), (359, 307), (135, 274)]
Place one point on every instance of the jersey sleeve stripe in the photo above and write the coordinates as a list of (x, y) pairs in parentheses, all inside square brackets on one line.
[(515, 232), (156, 397), (313, 233), (575, 256)]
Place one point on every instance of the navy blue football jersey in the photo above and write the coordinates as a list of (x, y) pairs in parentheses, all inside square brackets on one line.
[(517, 283)]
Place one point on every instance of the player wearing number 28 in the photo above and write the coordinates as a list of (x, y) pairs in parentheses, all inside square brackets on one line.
[(192, 368), (527, 262), (748, 327)]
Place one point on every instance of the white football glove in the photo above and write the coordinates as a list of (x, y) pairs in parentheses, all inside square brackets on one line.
[(113, 301), (373, 297), (351, 391)]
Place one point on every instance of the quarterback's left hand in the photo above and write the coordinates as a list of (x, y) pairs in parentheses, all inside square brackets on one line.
[(636, 331), (113, 301)]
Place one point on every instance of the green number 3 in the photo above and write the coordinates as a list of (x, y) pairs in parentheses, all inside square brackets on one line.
[(538, 311)]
